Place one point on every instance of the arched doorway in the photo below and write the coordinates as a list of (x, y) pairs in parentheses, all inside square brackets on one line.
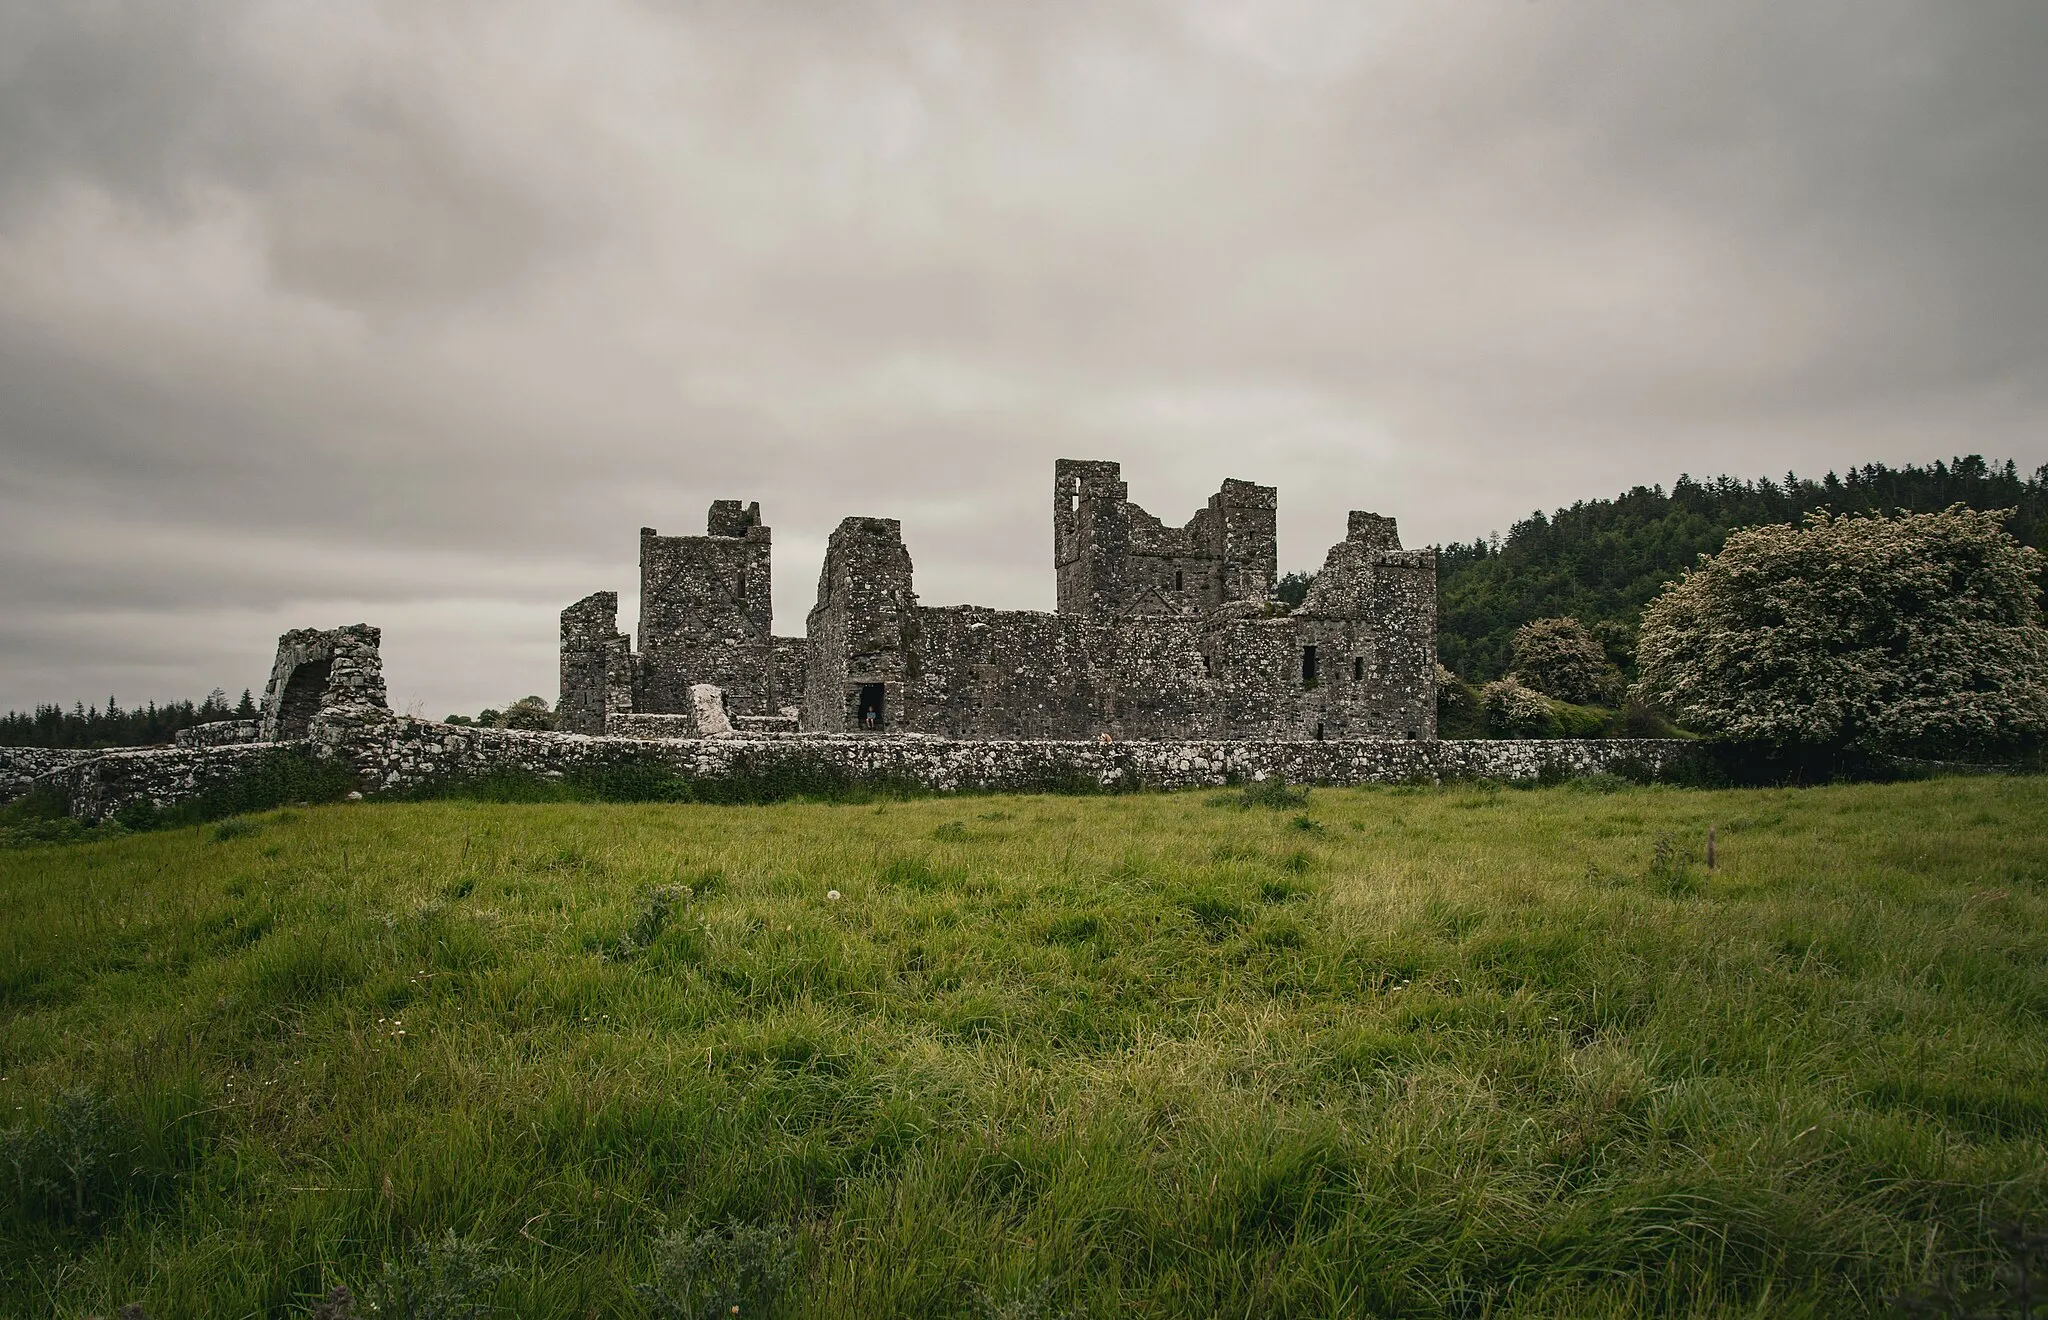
[(303, 694)]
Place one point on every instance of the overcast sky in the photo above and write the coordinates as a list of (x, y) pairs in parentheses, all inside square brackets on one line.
[(413, 314)]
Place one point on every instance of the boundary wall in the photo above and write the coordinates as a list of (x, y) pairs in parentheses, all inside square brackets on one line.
[(398, 755)]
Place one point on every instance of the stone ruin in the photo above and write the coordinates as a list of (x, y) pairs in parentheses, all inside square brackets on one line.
[(1167, 664), (1161, 633)]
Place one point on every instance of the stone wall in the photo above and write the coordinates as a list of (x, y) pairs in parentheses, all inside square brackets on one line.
[(220, 733), (164, 776), (597, 664), (21, 766), (413, 752), (706, 613)]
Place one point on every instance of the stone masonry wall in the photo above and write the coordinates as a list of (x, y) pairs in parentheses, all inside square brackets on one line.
[(706, 612), (403, 754), (591, 646), (21, 766), (220, 733), (165, 776)]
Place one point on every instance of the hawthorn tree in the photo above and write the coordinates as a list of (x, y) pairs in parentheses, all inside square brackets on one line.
[(1918, 635), (1561, 658)]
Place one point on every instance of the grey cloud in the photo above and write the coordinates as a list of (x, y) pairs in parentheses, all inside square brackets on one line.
[(414, 314)]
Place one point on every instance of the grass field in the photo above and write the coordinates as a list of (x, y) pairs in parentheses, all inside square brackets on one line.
[(1461, 1051)]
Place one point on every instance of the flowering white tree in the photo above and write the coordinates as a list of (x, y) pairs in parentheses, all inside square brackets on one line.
[(1919, 634), (1516, 711), (1560, 658)]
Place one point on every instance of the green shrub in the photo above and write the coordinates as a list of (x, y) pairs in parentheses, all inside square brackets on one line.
[(449, 1278), (716, 1273), (655, 909), (1515, 711), (1561, 659)]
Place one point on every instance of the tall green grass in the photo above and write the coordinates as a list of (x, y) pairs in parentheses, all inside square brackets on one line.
[(1398, 1051)]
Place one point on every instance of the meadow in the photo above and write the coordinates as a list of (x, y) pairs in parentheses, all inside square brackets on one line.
[(1457, 1051)]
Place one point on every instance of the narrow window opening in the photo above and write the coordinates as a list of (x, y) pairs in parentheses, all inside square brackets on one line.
[(1208, 666), (868, 708), (1319, 732), (1358, 669), (741, 588), (1179, 581), (1308, 665)]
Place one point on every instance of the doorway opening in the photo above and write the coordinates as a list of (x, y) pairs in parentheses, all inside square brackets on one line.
[(303, 694), (868, 707)]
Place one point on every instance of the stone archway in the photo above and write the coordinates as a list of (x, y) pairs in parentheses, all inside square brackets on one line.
[(330, 673), (305, 693)]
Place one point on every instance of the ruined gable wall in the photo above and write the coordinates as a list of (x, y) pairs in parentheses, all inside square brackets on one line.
[(591, 647), (863, 626), (706, 610)]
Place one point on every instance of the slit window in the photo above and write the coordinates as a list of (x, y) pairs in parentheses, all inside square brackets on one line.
[(1308, 664), (1179, 580), (1358, 669)]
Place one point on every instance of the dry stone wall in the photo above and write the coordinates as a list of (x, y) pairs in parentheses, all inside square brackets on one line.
[(399, 755), (20, 767), (162, 776), (220, 733)]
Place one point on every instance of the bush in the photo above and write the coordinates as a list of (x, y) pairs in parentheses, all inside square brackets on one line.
[(449, 1278), (66, 1165), (1515, 711), (742, 1269), (528, 713), (1561, 659), (655, 909), (1919, 635)]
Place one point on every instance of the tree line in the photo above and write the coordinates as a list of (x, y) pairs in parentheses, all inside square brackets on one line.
[(1602, 561), (111, 726)]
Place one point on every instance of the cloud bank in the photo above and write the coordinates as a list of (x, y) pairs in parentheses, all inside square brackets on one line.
[(414, 314)]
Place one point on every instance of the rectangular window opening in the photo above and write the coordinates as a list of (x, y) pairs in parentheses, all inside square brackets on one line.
[(1358, 669), (868, 708), (1308, 664)]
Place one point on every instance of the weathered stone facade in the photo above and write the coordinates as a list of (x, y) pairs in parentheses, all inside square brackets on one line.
[(1160, 633)]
